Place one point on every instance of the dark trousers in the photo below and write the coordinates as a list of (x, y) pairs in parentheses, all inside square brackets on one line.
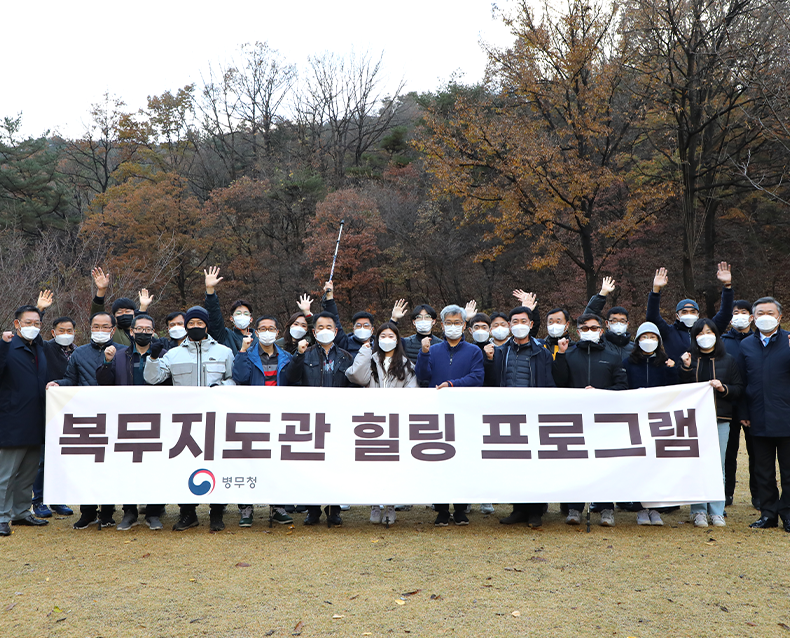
[(599, 507), (215, 509), (38, 484), (767, 451), (106, 510), (530, 509), (445, 507), (150, 510), (731, 459)]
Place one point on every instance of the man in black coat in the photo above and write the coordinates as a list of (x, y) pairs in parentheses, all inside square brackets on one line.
[(23, 379)]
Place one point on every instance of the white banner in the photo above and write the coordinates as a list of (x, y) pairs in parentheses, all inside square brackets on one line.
[(362, 446)]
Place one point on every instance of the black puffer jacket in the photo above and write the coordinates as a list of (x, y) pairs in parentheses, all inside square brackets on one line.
[(590, 364), (723, 368)]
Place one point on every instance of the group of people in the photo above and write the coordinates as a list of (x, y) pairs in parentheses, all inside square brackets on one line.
[(742, 352)]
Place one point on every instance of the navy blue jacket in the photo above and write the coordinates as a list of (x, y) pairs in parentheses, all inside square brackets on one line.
[(231, 337), (56, 359), (676, 336), (120, 370), (540, 363), (83, 363), (23, 382), (767, 382), (461, 366), (248, 369), (648, 374)]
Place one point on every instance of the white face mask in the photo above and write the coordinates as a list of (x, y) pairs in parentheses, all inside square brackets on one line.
[(481, 336), (500, 333), (423, 326), (297, 332), (556, 329), (177, 332), (363, 334), (689, 320), (387, 345), (29, 332), (590, 336), (618, 328), (241, 321), (519, 330), (706, 341), (325, 336), (649, 345), (64, 339), (267, 338), (453, 332), (101, 337), (740, 321), (766, 323)]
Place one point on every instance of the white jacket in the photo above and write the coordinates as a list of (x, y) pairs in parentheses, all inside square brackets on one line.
[(360, 372), (202, 363)]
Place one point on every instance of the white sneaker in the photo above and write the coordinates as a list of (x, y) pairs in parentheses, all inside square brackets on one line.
[(700, 519), (718, 521), (574, 517), (607, 518), (389, 515), (486, 508), (375, 515), (345, 508), (655, 518), (643, 517)]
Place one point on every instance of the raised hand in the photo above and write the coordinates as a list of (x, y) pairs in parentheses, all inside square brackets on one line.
[(302, 346), (527, 299), (724, 274), (329, 289), (145, 299), (608, 286), (212, 279), (102, 281), (399, 310), (109, 353), (45, 299), (305, 301), (489, 350), (471, 309), (246, 343), (660, 280), (426, 344), (685, 359)]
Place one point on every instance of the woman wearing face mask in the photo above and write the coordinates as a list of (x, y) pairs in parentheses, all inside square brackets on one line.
[(298, 327), (648, 367), (709, 361), (382, 365)]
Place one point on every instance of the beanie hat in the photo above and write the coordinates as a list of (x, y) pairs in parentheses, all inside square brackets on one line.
[(685, 304), (648, 326), (197, 312)]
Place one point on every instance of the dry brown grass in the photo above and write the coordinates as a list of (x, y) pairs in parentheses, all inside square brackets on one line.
[(625, 581)]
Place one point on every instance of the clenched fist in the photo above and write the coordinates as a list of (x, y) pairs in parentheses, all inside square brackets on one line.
[(246, 343), (489, 350), (302, 346), (109, 353), (562, 345), (7, 336), (686, 359), (426, 344)]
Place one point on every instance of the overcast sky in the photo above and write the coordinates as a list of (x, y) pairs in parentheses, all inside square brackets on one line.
[(60, 57)]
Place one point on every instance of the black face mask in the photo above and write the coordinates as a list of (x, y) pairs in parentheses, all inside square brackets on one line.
[(196, 334), (124, 321), (143, 339)]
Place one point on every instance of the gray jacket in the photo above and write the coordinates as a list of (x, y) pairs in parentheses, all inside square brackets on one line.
[(360, 373), (202, 363)]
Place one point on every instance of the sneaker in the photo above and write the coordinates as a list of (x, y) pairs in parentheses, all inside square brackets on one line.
[(468, 509), (515, 517), (281, 516), (62, 510), (700, 519), (607, 518), (487, 508), (41, 510), (186, 521), (108, 521), (245, 519), (655, 518), (312, 518), (535, 521), (85, 521), (442, 519), (389, 516), (153, 523), (574, 517), (345, 508), (643, 517), (718, 521), (128, 522), (403, 508), (460, 518), (333, 516), (216, 524), (375, 514)]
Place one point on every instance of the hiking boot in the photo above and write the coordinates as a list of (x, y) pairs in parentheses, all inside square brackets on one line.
[(186, 521), (41, 510), (442, 519), (460, 518), (106, 521), (313, 517), (128, 522), (643, 517), (86, 520), (216, 523), (515, 517), (700, 519), (535, 521), (655, 518), (718, 521), (333, 516), (153, 523), (281, 516), (375, 514), (487, 508), (245, 519), (574, 517), (607, 518), (389, 516)]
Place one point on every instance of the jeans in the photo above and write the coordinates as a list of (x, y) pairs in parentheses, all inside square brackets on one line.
[(716, 508)]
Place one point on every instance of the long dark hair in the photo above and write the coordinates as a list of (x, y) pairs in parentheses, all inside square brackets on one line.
[(400, 365), (289, 344), (718, 350), (639, 356)]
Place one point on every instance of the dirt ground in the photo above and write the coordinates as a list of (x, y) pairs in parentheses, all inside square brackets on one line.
[(412, 579)]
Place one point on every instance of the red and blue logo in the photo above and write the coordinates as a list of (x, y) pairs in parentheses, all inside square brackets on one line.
[(206, 486)]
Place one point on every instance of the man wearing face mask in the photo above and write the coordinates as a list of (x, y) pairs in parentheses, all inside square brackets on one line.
[(454, 363), (589, 365), (676, 336), (176, 329), (765, 358), (323, 365), (741, 323), (198, 361), (557, 327), (616, 338), (480, 329), (81, 370), (362, 323), (23, 374), (123, 309), (125, 366), (522, 362), (423, 317), (500, 328), (240, 310)]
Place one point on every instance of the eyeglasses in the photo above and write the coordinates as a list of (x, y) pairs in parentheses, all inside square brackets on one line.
[(241, 313), (143, 331), (423, 318), (269, 329), (618, 323), (453, 323), (589, 328), (27, 322)]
